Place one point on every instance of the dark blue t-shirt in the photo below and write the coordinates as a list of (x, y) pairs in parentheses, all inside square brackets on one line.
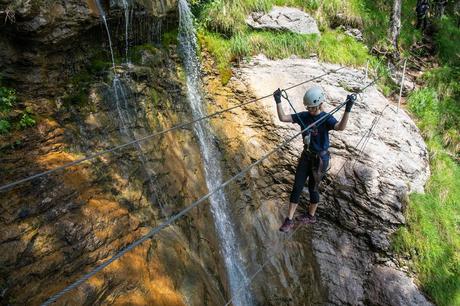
[(319, 140)]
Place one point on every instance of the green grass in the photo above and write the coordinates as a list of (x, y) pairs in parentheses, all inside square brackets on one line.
[(332, 46), (437, 106), (227, 17), (337, 47), (447, 39), (432, 237)]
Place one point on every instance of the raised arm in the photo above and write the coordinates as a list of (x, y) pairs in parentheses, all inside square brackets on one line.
[(342, 124), (279, 109)]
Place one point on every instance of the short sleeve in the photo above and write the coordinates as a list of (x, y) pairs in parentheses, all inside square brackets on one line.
[(330, 123), (296, 119)]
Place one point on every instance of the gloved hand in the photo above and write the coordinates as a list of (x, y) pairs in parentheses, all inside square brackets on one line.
[(277, 96), (350, 101)]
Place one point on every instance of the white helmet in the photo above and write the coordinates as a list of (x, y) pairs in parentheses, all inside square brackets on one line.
[(313, 97)]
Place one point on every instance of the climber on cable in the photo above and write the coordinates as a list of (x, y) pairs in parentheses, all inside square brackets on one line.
[(314, 160)]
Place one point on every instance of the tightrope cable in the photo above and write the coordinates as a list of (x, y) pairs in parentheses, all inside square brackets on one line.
[(116, 148), (155, 230), (316, 122)]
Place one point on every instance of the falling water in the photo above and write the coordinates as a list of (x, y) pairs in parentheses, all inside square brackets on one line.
[(104, 18), (126, 9), (126, 119), (219, 205)]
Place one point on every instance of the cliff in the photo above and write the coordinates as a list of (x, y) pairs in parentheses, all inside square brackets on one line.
[(58, 227)]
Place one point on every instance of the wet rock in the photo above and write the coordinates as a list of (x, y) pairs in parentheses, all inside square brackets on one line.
[(284, 19)]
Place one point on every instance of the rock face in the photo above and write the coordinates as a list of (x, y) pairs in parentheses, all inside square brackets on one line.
[(363, 203), (44, 43), (58, 227), (284, 19)]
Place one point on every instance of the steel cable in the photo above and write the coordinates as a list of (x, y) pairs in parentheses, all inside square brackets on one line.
[(155, 230), (116, 148)]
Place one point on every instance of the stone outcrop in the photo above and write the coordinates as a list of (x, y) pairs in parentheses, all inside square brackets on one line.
[(284, 19), (56, 228), (43, 44), (53, 22), (363, 204)]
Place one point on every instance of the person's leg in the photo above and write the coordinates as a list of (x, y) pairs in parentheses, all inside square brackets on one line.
[(292, 209), (299, 182), (313, 188)]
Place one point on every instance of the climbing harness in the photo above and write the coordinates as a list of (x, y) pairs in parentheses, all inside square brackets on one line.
[(172, 219), (168, 222), (366, 135), (180, 126)]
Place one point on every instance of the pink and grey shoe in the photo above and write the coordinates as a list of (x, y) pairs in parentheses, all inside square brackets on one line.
[(287, 226), (306, 219)]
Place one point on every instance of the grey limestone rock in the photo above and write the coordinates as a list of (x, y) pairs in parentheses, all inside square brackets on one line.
[(284, 19), (364, 195)]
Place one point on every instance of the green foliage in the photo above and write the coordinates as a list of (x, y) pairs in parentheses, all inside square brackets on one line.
[(432, 238), (437, 107), (98, 66), (7, 99), (228, 17), (447, 39), (332, 46), (409, 34), (169, 38), (26, 120), (337, 47), (4, 126), (220, 48)]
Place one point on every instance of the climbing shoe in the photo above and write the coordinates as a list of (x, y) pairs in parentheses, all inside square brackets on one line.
[(287, 225), (306, 218)]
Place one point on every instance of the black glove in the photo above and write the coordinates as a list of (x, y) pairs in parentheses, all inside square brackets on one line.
[(277, 96), (350, 101)]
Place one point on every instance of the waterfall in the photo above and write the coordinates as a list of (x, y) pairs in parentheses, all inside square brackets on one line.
[(236, 273), (104, 19), (126, 10), (122, 108)]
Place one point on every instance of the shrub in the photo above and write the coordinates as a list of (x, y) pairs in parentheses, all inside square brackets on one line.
[(447, 40), (26, 120), (7, 100), (4, 126)]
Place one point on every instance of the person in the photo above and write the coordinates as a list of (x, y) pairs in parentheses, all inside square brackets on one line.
[(314, 160), (422, 14)]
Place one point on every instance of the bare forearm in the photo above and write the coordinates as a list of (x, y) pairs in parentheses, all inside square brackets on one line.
[(343, 122), (281, 115)]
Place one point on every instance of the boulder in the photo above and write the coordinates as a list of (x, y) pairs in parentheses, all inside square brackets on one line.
[(284, 19), (364, 194), (355, 33), (393, 287)]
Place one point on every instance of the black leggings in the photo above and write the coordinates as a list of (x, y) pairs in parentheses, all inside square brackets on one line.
[(305, 170)]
